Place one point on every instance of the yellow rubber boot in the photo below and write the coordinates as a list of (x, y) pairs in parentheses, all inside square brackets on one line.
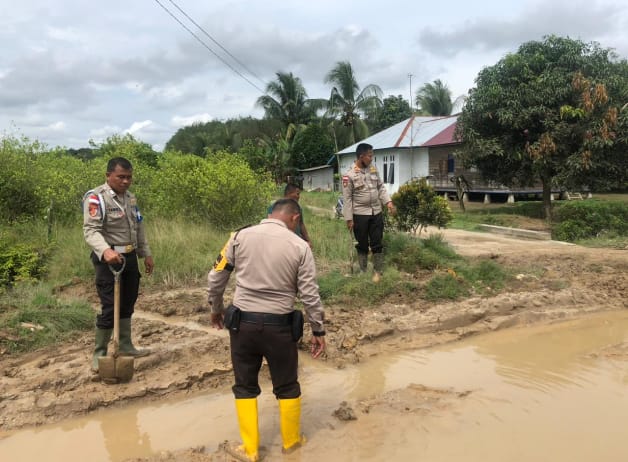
[(249, 431), (290, 424)]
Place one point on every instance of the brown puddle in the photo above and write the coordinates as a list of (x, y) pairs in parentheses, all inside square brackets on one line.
[(549, 393)]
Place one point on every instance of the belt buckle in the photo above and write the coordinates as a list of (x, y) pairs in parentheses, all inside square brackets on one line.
[(128, 248)]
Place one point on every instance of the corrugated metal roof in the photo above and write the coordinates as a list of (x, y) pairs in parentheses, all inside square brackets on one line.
[(413, 132), (311, 169)]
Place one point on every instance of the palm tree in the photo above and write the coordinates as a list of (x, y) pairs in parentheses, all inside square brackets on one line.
[(349, 102), (286, 100), (434, 99)]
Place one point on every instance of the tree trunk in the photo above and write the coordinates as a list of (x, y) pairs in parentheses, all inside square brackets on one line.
[(547, 198)]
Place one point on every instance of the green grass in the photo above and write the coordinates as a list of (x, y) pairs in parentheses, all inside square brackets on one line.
[(32, 317)]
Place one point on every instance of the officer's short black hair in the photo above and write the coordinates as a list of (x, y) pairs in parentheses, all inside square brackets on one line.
[(121, 161), (288, 206), (290, 187), (362, 149)]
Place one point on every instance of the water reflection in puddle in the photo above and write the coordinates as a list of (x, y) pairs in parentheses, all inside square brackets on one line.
[(538, 394)]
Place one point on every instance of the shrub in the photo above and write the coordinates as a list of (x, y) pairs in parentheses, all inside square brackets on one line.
[(590, 218), (220, 189), (418, 206), (19, 262)]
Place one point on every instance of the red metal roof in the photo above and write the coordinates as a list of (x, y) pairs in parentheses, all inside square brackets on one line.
[(444, 137)]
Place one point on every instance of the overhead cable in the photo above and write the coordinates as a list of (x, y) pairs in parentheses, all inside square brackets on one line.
[(216, 42), (209, 48)]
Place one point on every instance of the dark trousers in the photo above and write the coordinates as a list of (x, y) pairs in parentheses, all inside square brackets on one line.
[(256, 341), (129, 288), (369, 232)]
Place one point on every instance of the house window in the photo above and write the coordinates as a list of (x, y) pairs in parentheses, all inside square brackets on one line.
[(450, 163), (389, 169), (385, 169)]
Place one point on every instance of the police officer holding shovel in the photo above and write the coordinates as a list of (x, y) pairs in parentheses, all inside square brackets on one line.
[(113, 226), (273, 264)]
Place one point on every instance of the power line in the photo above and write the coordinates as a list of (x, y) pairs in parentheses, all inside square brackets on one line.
[(209, 49), (216, 42)]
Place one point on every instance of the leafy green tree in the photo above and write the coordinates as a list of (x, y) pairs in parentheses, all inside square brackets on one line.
[(350, 103), (434, 99), (548, 113), (218, 135), (312, 147), (256, 155), (286, 100), (394, 109), (19, 177), (127, 146), (418, 206), (221, 189)]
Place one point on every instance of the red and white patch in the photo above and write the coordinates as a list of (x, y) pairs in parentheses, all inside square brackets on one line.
[(345, 181), (94, 210)]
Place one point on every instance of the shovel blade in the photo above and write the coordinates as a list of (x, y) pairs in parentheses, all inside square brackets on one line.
[(115, 369)]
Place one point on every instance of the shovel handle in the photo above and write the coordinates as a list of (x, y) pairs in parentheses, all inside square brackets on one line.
[(116, 305), (117, 273)]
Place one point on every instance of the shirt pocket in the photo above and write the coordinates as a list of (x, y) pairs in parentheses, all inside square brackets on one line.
[(358, 182)]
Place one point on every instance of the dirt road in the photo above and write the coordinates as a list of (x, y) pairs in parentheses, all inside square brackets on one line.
[(554, 281)]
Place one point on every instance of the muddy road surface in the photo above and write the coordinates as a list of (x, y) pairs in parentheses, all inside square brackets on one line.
[(554, 281)]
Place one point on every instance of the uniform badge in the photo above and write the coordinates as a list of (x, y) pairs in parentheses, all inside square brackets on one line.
[(345, 181), (373, 169), (94, 206)]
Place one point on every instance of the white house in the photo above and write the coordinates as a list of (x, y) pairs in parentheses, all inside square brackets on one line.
[(418, 147), (318, 178)]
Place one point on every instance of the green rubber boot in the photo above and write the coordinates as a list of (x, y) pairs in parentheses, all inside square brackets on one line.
[(363, 261), (102, 340), (126, 345)]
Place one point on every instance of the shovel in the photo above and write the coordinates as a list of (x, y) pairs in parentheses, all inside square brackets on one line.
[(115, 369), (351, 251)]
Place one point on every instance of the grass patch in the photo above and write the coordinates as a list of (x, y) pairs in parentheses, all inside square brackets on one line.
[(358, 290), (445, 287), (482, 278), (409, 254), (32, 317)]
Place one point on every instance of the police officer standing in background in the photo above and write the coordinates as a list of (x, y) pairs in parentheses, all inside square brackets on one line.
[(364, 194), (273, 264), (113, 227)]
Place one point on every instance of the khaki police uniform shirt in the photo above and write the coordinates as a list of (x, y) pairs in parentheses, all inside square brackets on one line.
[(122, 223), (273, 264), (363, 192)]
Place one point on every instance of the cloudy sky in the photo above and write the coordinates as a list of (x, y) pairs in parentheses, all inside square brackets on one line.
[(73, 70)]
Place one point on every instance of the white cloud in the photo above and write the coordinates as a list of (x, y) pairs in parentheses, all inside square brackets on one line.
[(57, 126), (103, 66), (138, 126), (64, 34)]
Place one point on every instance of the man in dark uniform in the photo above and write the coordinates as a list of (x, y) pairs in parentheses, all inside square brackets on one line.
[(364, 194), (113, 226), (273, 264)]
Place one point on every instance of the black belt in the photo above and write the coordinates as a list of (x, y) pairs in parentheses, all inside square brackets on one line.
[(268, 319)]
